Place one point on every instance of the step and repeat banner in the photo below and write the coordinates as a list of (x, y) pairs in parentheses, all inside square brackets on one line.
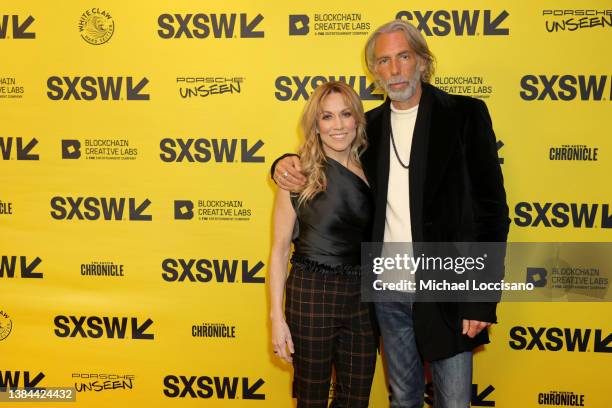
[(135, 198)]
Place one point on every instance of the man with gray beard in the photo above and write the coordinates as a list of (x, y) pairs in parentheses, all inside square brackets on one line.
[(433, 169)]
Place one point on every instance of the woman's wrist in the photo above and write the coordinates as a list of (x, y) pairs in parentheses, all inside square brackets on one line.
[(277, 316)]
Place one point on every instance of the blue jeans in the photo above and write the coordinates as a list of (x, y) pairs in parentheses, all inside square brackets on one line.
[(452, 377)]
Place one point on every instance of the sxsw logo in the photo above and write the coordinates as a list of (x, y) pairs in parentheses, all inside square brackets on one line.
[(183, 209), (20, 28), (96, 327), (298, 24), (213, 387), (203, 25), (71, 149), (90, 88), (211, 270), (23, 150), (207, 150), (537, 277), (457, 22), (482, 398), (558, 339), (26, 269), (561, 215), (295, 87), (566, 87), (99, 208), (19, 379), (499, 144), (479, 398)]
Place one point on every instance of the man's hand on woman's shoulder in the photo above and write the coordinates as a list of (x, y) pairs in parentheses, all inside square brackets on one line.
[(287, 173)]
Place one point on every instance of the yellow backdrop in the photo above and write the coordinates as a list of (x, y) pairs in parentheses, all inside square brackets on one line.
[(135, 202)]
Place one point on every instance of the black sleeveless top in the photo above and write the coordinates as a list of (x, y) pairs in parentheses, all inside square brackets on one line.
[(331, 226)]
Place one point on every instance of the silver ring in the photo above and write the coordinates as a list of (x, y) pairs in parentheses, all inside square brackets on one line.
[(285, 174)]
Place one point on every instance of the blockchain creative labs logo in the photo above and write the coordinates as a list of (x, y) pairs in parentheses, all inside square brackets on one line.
[(562, 215), (102, 269), (298, 87), (6, 208), (18, 148), (577, 152), (566, 87), (568, 278), (6, 325), (212, 210), (96, 26), (208, 86), (98, 149), (10, 88), (538, 277), (561, 399), (213, 330), (329, 24), (102, 382), (474, 86), (458, 22), (560, 20), (19, 27)]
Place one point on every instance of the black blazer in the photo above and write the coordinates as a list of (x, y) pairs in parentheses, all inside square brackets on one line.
[(456, 195)]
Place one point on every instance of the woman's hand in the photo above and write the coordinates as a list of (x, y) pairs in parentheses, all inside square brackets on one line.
[(281, 339)]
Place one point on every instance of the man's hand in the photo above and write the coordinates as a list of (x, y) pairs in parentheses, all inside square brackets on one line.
[(288, 174), (473, 327)]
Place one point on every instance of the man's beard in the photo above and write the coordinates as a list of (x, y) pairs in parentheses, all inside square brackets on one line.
[(402, 95)]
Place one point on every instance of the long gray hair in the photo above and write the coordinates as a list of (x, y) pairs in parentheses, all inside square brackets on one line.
[(415, 39)]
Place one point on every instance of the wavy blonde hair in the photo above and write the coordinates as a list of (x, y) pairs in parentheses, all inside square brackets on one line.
[(312, 155)]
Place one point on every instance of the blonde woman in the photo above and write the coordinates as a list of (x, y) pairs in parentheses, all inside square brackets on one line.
[(324, 322)]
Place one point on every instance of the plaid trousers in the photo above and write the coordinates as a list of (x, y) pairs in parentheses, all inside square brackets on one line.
[(329, 326)]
